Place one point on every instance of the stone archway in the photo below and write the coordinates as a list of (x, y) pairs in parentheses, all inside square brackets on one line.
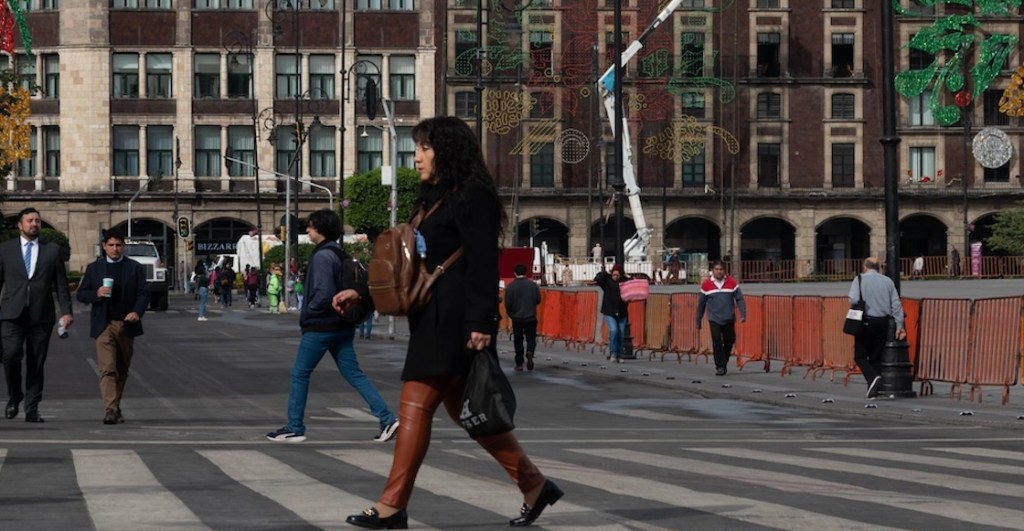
[(535, 231), (603, 231), (694, 235), (922, 235), (839, 243)]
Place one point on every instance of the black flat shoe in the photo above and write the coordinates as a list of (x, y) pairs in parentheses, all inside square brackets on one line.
[(33, 417), (12, 409), (548, 496), (370, 519)]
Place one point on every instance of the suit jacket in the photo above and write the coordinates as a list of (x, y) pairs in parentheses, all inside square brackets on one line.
[(133, 291), (17, 290)]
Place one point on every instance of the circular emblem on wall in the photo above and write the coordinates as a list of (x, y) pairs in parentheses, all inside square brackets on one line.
[(575, 145), (992, 148)]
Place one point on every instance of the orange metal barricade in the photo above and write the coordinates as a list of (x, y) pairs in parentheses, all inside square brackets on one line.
[(504, 323), (912, 322), (778, 326), (547, 323), (945, 337), (750, 335), (806, 351), (566, 317), (683, 334), (836, 347), (658, 325), (586, 319), (995, 345), (635, 311)]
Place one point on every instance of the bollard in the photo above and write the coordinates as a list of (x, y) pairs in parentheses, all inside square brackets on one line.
[(897, 377)]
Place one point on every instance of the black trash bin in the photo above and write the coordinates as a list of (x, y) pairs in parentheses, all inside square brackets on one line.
[(897, 371)]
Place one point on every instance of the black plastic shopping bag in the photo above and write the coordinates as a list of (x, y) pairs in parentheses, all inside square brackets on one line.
[(488, 403)]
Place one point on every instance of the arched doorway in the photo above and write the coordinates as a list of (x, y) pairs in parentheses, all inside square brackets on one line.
[(694, 235), (768, 250), (982, 231), (537, 231), (922, 235), (839, 244), (603, 231)]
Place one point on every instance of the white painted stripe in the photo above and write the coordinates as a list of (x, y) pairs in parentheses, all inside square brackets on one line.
[(983, 452), (732, 507), (928, 460), (499, 497), (647, 414), (316, 502), (969, 512), (122, 494), (908, 474), (353, 413)]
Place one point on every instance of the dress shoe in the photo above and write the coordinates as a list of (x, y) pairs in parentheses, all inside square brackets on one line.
[(529, 361), (370, 519), (549, 494), (12, 409), (33, 417), (110, 417)]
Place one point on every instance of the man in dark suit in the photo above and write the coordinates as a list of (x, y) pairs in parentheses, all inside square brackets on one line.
[(30, 270), (116, 317)]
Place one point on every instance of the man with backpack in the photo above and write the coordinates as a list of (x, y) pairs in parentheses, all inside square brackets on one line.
[(326, 330)]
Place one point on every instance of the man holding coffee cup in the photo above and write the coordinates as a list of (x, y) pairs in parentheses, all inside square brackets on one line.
[(115, 286)]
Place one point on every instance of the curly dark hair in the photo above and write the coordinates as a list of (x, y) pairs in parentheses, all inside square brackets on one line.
[(458, 159), (326, 222)]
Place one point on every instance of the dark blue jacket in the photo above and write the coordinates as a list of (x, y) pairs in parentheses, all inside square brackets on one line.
[(322, 282), (134, 294)]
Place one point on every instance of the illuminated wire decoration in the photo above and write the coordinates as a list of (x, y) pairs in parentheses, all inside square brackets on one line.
[(992, 148)]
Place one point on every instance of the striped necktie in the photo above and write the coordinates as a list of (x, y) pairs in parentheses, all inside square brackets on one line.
[(28, 258)]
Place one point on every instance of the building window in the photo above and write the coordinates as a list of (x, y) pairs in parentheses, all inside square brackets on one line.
[(693, 171), (27, 167), (842, 55), (207, 151), (284, 151), (51, 145), (207, 75), (609, 49), (920, 59), (369, 151), (769, 105), (692, 55), (842, 165), (321, 152), (542, 105), (768, 46), (542, 167), (368, 73), (769, 165), (26, 68), (693, 3), (611, 168), (992, 114), (367, 5), (159, 150), (693, 104), (406, 149), (843, 107), (240, 4), (239, 76), (915, 8), (768, 3), (541, 46), (321, 77), (158, 75), (998, 175), (321, 5), (842, 4), (125, 68), (922, 164), (465, 52), (126, 150), (288, 76), (242, 140), (921, 109), (51, 76), (465, 105), (402, 5), (403, 77), (51, 4), (205, 4)]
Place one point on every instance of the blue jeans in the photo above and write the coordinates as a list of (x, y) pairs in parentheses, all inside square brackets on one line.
[(366, 327), (204, 293), (312, 347), (616, 330)]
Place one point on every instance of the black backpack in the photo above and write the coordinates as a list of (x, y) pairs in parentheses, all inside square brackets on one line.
[(354, 276)]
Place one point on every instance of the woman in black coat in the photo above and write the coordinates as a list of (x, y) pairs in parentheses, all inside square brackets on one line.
[(614, 309), (460, 321)]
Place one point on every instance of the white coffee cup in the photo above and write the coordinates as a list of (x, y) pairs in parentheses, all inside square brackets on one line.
[(108, 283)]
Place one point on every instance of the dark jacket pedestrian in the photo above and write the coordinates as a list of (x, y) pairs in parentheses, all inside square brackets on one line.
[(522, 296), (720, 296), (115, 318), (614, 309), (882, 309), (460, 321)]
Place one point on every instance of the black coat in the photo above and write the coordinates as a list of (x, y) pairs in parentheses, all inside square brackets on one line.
[(612, 303), (134, 294), (465, 298)]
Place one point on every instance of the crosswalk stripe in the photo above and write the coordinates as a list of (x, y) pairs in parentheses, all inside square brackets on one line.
[(122, 494), (316, 502), (490, 495), (983, 452), (353, 413), (732, 507), (929, 460), (975, 513), (886, 472)]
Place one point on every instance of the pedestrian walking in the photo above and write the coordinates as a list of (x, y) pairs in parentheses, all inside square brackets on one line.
[(720, 295), (324, 331), (274, 290), (31, 272), (203, 281), (522, 296), (226, 281), (954, 262), (366, 327), (917, 268), (596, 252), (115, 318), (614, 310), (252, 286), (459, 322), (882, 307)]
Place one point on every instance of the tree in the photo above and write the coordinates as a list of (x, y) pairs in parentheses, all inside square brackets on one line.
[(15, 131), (1008, 230), (368, 200)]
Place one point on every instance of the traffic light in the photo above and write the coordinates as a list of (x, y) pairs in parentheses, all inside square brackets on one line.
[(183, 227), (188, 245)]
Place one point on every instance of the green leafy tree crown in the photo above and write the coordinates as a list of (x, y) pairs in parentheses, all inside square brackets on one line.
[(368, 200), (1008, 230)]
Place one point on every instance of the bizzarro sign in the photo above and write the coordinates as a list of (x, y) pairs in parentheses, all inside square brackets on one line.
[(216, 247)]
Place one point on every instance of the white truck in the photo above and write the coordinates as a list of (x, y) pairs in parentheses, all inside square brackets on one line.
[(145, 253), (635, 248)]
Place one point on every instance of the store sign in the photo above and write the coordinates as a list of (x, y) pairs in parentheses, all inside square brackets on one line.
[(216, 247)]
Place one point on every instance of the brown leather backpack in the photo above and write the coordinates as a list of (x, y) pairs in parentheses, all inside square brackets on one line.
[(398, 278)]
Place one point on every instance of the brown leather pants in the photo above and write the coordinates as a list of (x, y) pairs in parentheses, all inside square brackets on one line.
[(419, 400)]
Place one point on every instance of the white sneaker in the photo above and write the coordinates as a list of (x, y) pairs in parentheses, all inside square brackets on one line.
[(873, 388), (201, 318), (285, 435), (387, 432)]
